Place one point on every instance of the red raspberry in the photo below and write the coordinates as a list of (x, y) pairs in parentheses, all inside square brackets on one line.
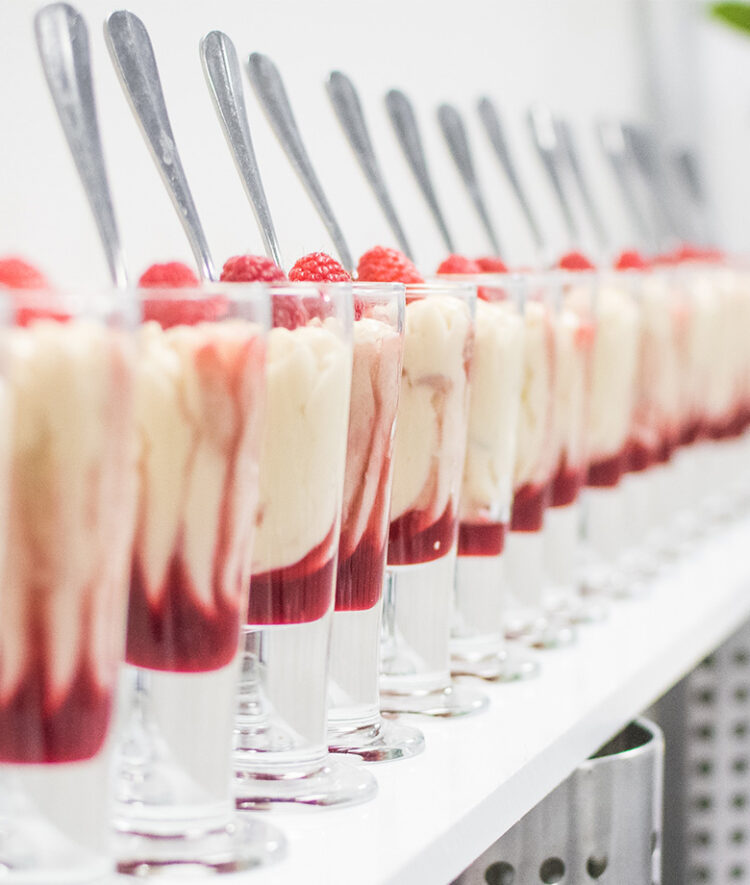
[(492, 265), (630, 259), (251, 269), (317, 267), (455, 264), (15, 273), (170, 312), (173, 275), (575, 261), (381, 265), (288, 312)]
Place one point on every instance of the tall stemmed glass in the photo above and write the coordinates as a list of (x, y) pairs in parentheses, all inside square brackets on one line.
[(428, 463), (199, 413), (477, 640), (68, 468), (281, 751), (354, 721)]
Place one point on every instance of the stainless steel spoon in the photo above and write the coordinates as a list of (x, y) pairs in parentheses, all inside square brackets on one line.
[(222, 70), (271, 93), (349, 112), (545, 136), (612, 140), (570, 151), (684, 164), (493, 127), (63, 44), (404, 122), (455, 135), (133, 55)]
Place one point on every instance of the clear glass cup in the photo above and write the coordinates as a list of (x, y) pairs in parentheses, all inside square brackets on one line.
[(613, 394), (199, 417), (67, 447), (534, 471), (428, 463), (478, 645), (354, 722), (281, 747)]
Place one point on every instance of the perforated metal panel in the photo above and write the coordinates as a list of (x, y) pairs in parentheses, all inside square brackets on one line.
[(717, 766)]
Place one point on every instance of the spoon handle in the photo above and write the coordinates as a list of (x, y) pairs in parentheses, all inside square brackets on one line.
[(405, 125), (349, 112), (63, 43), (222, 70), (454, 132), (571, 155), (131, 50), (612, 140), (269, 88), (544, 136), (493, 127)]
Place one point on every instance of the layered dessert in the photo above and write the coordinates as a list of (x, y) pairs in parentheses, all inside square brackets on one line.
[(199, 403), (301, 465), (72, 493), (613, 384), (430, 428), (376, 372), (487, 485), (534, 466)]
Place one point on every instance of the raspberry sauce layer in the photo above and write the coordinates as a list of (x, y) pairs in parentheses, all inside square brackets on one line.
[(481, 538), (691, 432), (566, 485), (296, 594), (529, 504), (410, 541), (359, 578), (640, 456), (606, 473)]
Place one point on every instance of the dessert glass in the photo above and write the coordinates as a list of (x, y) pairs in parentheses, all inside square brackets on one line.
[(428, 462), (68, 483), (281, 749), (575, 330), (612, 403), (354, 721), (534, 470), (477, 637), (199, 418)]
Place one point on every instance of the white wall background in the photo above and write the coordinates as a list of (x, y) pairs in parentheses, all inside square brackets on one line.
[(582, 57)]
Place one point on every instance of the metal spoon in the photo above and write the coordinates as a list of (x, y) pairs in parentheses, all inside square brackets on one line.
[(348, 110), (546, 140), (493, 127), (222, 70), (405, 125), (684, 163), (133, 55), (612, 140), (455, 135), (63, 44), (570, 152), (271, 93)]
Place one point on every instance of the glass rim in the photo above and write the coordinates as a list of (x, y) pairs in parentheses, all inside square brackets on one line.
[(466, 289)]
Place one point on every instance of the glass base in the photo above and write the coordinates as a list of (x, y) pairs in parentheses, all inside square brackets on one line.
[(446, 703), (552, 634), (380, 742), (587, 609), (498, 666), (240, 845), (333, 783)]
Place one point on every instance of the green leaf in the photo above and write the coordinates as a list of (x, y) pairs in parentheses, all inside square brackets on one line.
[(737, 15)]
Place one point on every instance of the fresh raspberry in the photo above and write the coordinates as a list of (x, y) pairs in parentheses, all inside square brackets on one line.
[(455, 264), (251, 269), (575, 261), (630, 259), (15, 273), (317, 267), (173, 275), (288, 312), (381, 265), (489, 264), (170, 312)]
